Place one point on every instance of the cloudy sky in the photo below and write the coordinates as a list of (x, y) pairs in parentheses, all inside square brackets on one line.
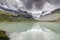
[(31, 4)]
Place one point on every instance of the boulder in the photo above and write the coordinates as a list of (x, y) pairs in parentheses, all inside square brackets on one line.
[(3, 35)]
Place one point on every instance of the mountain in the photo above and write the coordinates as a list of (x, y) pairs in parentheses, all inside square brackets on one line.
[(19, 12), (6, 16), (54, 16), (24, 14), (56, 10)]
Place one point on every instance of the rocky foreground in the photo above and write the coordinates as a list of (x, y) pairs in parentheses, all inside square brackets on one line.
[(3, 35)]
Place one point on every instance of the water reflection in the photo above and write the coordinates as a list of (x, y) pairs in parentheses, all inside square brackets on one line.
[(23, 26), (54, 26), (32, 30), (38, 31)]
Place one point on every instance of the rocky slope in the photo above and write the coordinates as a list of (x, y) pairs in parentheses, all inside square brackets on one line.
[(24, 14), (53, 16), (10, 17)]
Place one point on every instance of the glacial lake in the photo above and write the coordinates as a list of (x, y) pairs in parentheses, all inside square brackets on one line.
[(30, 30)]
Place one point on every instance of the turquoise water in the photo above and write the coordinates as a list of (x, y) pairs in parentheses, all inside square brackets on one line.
[(32, 30)]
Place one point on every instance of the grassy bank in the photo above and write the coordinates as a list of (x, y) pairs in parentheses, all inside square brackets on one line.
[(9, 17)]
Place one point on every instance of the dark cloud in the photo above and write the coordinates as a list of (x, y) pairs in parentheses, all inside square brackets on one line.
[(3, 1), (38, 4), (30, 4), (57, 2)]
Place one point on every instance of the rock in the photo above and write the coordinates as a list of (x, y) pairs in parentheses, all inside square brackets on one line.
[(56, 11), (3, 35)]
